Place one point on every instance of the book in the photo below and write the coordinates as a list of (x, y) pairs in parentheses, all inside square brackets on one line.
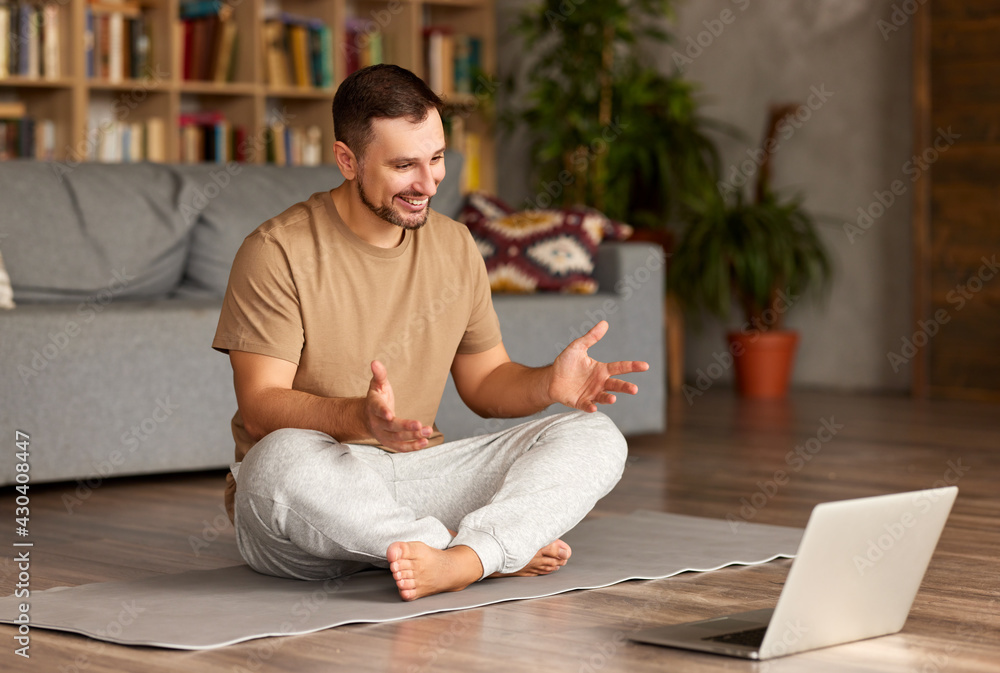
[(102, 46), (298, 50), (196, 9), (312, 150), (225, 55), (88, 42), (439, 69), (127, 8), (326, 57), (467, 62), (277, 60), (139, 41), (26, 138), (137, 142), (116, 44), (297, 38), (315, 50), (45, 140), (12, 109), (208, 44), (23, 41), (240, 144), (5, 152), (363, 46), (156, 140), (5, 40), (51, 67)]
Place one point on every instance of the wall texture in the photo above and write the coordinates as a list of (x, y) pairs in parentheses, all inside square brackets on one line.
[(848, 62)]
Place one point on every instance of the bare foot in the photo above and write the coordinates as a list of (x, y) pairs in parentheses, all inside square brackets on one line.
[(420, 570), (549, 558)]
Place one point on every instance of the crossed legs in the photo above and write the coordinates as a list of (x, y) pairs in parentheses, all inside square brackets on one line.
[(441, 518)]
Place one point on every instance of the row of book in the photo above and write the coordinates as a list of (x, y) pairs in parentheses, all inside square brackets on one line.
[(210, 137), (452, 61), (209, 40), (25, 137), (205, 137), (122, 141), (298, 51), (117, 40), (30, 43), (364, 45)]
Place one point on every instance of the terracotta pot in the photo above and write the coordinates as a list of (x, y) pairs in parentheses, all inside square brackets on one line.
[(763, 362)]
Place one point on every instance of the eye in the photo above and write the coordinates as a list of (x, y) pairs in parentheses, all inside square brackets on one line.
[(403, 167), (437, 159)]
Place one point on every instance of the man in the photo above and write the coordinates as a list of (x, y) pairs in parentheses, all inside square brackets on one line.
[(340, 465)]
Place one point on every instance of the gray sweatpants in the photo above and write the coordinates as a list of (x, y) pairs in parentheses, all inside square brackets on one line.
[(310, 507)]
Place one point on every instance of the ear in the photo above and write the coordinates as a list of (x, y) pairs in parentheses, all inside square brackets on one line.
[(346, 161)]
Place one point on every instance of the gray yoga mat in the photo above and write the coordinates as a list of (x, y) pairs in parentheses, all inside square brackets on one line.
[(203, 609)]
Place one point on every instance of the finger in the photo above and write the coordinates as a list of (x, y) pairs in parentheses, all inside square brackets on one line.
[(379, 373), (406, 427), (605, 398), (403, 430), (595, 334), (619, 386), (627, 367), (402, 442), (405, 447)]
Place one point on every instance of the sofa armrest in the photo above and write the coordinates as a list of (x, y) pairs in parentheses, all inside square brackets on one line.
[(618, 265)]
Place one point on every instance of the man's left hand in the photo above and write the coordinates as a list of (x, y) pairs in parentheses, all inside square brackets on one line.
[(580, 382)]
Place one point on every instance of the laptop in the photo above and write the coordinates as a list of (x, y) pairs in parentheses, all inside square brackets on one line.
[(855, 575)]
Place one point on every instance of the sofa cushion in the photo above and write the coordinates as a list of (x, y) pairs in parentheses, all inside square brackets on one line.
[(92, 230), (539, 250), (230, 201)]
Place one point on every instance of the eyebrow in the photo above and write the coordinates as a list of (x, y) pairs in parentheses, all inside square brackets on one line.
[(410, 160)]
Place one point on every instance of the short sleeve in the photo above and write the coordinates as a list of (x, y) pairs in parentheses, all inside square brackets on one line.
[(261, 310), (483, 330)]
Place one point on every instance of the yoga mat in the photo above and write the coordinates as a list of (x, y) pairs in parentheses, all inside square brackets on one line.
[(204, 609)]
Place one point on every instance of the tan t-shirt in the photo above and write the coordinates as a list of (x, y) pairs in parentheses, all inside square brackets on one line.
[(306, 289)]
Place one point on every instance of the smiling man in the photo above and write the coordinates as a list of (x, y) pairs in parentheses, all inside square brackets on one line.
[(337, 468)]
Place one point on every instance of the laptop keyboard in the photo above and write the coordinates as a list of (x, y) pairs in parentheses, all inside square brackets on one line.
[(750, 637)]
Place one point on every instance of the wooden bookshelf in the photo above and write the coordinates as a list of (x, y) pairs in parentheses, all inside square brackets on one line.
[(78, 104)]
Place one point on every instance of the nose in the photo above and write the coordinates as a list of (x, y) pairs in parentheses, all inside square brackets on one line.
[(427, 181)]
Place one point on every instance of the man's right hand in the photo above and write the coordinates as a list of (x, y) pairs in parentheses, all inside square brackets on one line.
[(380, 417)]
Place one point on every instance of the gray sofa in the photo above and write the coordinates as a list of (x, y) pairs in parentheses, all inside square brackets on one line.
[(118, 273)]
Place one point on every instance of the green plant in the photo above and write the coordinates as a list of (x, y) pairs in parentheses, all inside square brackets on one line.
[(607, 130), (761, 255)]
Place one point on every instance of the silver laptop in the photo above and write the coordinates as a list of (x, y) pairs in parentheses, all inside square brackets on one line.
[(855, 575)]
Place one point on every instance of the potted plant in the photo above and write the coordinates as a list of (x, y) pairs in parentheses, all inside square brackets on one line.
[(607, 130), (762, 255)]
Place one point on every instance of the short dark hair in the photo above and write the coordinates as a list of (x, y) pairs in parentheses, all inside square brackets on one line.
[(379, 92)]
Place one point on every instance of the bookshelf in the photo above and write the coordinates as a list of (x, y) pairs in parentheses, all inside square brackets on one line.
[(87, 97)]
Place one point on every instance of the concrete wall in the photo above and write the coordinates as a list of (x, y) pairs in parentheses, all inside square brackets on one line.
[(853, 141)]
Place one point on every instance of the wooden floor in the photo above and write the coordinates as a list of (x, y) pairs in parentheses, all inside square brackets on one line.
[(713, 456)]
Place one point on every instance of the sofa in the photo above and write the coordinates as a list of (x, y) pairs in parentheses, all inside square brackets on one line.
[(118, 272)]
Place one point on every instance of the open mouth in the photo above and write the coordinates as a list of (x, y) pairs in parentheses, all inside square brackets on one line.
[(414, 203)]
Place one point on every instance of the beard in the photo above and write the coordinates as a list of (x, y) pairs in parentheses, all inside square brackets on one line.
[(390, 214)]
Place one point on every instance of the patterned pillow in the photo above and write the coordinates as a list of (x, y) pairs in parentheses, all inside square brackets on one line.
[(539, 250)]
